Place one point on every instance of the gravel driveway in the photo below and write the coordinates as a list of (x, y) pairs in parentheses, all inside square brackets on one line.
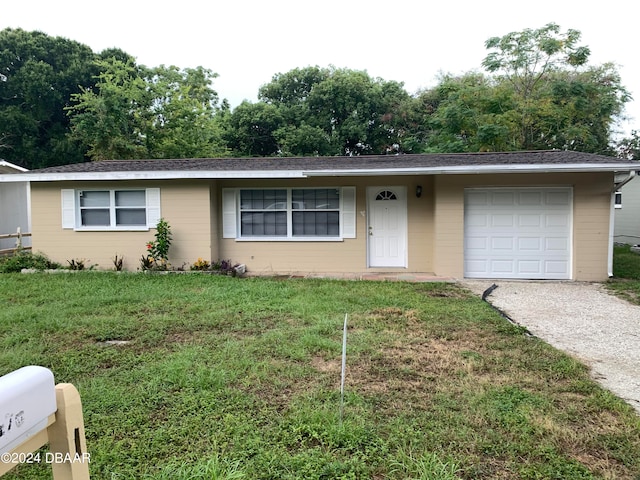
[(581, 319)]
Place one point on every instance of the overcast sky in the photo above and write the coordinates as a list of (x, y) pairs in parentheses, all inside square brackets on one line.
[(247, 42)]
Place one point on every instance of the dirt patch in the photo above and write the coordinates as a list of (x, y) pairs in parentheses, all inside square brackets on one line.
[(412, 367), (326, 366)]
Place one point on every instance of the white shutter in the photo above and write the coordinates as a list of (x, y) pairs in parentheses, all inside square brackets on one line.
[(153, 207), (229, 213), (68, 208), (348, 212)]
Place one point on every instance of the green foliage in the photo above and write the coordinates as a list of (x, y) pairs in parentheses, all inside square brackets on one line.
[(250, 129), (137, 112), (157, 257), (63, 103), (76, 264), (321, 111), (629, 147), (626, 274), (213, 469), (38, 75), (626, 264), (25, 259)]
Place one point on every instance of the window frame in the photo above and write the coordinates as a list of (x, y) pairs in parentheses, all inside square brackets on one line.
[(72, 209), (617, 199), (232, 215)]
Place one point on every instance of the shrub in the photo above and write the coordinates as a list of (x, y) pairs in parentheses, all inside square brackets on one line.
[(23, 259), (224, 267), (157, 257), (201, 265)]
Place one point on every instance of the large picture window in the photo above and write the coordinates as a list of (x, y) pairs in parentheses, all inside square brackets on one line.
[(289, 213)]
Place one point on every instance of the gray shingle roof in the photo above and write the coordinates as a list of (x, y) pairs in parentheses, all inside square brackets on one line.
[(368, 162)]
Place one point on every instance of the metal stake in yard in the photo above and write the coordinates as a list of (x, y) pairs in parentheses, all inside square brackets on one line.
[(344, 365)]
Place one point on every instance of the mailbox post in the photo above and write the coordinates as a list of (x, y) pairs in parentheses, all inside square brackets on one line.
[(33, 412)]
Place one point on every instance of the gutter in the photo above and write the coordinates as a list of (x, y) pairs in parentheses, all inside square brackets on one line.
[(612, 212), (299, 173)]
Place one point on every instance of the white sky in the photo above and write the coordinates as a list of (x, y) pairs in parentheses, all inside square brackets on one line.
[(248, 41)]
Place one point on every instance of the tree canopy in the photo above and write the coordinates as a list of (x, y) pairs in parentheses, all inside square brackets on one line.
[(38, 75), (136, 112), (62, 103)]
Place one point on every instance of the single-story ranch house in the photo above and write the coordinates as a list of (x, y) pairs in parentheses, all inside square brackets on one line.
[(520, 215)]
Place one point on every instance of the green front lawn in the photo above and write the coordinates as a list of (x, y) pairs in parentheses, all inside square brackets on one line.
[(240, 378), (626, 274)]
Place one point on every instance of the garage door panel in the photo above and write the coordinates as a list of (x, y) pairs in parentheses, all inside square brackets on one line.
[(557, 244), (502, 198), (556, 220), (558, 198), (478, 220), (478, 244), (530, 198), (502, 220), (503, 267), (478, 198), (518, 233), (502, 244), (530, 244), (559, 267), (529, 220)]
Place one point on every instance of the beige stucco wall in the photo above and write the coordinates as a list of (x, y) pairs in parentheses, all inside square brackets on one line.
[(591, 207), (435, 225), (349, 255), (184, 204)]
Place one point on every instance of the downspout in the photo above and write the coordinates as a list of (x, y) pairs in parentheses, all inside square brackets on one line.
[(616, 186)]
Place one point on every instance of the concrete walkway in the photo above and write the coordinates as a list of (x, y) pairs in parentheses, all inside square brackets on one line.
[(582, 319)]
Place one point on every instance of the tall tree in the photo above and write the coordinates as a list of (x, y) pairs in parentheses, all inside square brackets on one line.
[(330, 111), (250, 129), (137, 112), (539, 94), (38, 75), (558, 101)]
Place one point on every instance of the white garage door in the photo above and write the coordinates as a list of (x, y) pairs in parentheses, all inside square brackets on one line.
[(522, 233)]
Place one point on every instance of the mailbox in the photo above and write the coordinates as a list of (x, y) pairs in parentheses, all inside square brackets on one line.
[(27, 399)]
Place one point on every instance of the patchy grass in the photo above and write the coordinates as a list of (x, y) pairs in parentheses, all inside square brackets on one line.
[(227, 378), (626, 274)]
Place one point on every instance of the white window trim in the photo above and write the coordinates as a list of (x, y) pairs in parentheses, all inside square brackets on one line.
[(71, 210), (617, 204), (231, 217)]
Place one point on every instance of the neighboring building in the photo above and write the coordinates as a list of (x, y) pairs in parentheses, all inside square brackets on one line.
[(627, 214), (14, 206), (520, 215)]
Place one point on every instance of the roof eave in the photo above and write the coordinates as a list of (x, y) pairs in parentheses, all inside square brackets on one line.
[(284, 174), (482, 169)]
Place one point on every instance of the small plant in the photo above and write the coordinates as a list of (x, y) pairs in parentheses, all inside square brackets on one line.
[(76, 264), (118, 263), (201, 265), (146, 262), (157, 257), (224, 267)]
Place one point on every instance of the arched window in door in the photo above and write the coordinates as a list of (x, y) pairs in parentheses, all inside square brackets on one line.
[(386, 195)]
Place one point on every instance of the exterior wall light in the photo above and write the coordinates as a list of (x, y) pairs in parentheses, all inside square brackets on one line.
[(419, 191)]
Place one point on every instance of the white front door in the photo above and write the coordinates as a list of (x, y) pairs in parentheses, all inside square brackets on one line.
[(387, 226)]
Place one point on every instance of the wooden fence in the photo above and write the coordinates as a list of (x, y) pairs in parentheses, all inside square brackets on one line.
[(19, 236)]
